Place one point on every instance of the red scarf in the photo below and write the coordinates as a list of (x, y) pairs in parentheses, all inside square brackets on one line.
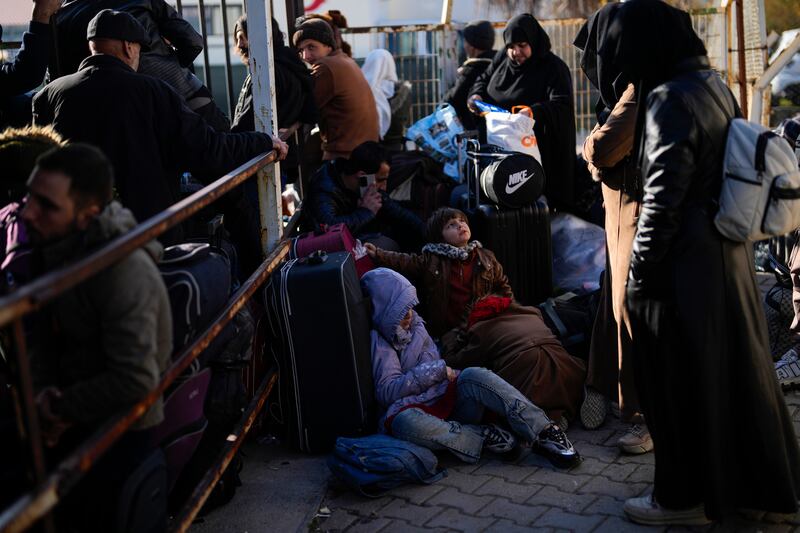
[(486, 308)]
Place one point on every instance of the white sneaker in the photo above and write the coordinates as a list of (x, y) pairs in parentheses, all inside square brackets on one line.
[(645, 510), (636, 440)]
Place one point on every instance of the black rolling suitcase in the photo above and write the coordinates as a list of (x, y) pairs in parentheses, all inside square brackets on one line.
[(320, 337), (519, 237)]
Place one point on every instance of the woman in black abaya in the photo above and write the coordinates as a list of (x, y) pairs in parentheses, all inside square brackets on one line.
[(528, 73), (723, 436)]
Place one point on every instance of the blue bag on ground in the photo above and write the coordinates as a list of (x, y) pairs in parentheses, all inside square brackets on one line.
[(579, 253), (374, 464)]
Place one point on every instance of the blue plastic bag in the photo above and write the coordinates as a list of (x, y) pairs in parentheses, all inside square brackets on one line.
[(436, 136)]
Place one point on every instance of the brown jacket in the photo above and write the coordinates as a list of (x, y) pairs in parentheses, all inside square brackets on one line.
[(610, 143), (348, 115), (430, 273)]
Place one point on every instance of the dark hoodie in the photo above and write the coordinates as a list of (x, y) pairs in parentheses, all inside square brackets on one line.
[(544, 83), (293, 87), (110, 338)]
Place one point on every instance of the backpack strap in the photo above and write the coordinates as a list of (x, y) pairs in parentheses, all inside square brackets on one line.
[(761, 149)]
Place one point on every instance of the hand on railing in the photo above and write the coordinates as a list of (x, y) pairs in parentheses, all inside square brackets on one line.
[(280, 147), (44, 9)]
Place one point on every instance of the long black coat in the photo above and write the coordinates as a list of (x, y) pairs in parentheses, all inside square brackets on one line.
[(722, 433), (144, 128), (544, 83)]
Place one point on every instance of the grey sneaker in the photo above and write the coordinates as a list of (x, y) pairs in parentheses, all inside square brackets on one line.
[(787, 368), (636, 440), (645, 510), (593, 409), (497, 439), (554, 446)]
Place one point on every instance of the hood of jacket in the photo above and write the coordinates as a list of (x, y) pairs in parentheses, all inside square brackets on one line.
[(392, 296), (597, 67), (112, 222), (524, 28)]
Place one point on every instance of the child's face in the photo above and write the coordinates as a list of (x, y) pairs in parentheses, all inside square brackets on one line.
[(456, 232), (406, 322)]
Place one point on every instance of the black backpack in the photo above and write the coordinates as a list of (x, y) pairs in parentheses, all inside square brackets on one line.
[(571, 318)]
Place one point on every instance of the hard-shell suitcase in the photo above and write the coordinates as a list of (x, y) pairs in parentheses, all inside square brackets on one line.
[(520, 238), (320, 337), (336, 238)]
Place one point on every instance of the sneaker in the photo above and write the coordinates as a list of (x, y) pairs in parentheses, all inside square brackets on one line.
[(636, 440), (645, 510), (554, 445), (497, 439), (787, 368), (593, 409)]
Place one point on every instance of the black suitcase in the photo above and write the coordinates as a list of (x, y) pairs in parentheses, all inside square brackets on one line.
[(520, 238), (320, 328)]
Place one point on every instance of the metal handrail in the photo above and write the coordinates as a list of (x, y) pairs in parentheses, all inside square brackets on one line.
[(48, 492)]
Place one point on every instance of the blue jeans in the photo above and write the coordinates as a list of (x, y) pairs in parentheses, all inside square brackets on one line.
[(477, 389)]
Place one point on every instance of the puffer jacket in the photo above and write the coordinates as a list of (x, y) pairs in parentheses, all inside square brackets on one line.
[(404, 374), (167, 62), (331, 203), (431, 272), (109, 338)]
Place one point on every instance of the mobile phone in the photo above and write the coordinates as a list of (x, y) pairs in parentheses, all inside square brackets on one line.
[(365, 181)]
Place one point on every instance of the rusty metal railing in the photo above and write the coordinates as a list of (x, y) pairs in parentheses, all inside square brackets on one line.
[(50, 488)]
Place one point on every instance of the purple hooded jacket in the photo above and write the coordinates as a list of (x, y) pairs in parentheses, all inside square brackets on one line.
[(405, 372)]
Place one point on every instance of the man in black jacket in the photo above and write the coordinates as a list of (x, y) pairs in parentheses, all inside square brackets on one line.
[(140, 123), (173, 43), (353, 192), (479, 47)]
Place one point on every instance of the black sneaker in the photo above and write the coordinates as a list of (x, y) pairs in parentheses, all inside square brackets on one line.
[(497, 439), (554, 445)]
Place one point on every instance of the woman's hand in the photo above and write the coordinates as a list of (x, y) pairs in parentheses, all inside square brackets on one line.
[(471, 103)]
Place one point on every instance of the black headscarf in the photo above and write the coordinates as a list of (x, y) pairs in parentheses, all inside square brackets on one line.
[(598, 69), (648, 39), (525, 28)]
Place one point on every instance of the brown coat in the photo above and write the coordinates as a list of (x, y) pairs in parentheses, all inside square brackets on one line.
[(521, 349), (430, 273), (610, 369), (348, 115)]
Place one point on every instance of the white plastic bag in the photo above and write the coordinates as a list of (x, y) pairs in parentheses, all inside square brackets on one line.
[(513, 131)]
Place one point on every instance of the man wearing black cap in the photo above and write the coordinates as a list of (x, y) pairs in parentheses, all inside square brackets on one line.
[(479, 48), (348, 114), (140, 123)]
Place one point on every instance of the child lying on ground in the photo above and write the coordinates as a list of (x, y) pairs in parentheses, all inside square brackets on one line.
[(469, 305), (428, 403)]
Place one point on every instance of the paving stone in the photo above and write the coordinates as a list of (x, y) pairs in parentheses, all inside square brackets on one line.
[(467, 503), (512, 491), (599, 436), (619, 472), (520, 514), (620, 491), (605, 454), (561, 519), (564, 481), (339, 520), (452, 519), (553, 497), (369, 525), (512, 473), (362, 505), (615, 524), (643, 474), (507, 526), (641, 459), (466, 483), (606, 505), (417, 494), (415, 515), (589, 466), (398, 526)]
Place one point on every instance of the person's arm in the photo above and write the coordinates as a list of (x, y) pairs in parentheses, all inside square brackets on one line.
[(409, 265), (480, 87), (608, 144), (671, 135), (323, 85), (400, 217), (559, 93), (391, 383), (128, 339), (42, 109), (27, 70), (500, 284), (323, 209), (182, 36)]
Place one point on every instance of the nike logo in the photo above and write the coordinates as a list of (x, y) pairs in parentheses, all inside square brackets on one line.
[(517, 180)]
